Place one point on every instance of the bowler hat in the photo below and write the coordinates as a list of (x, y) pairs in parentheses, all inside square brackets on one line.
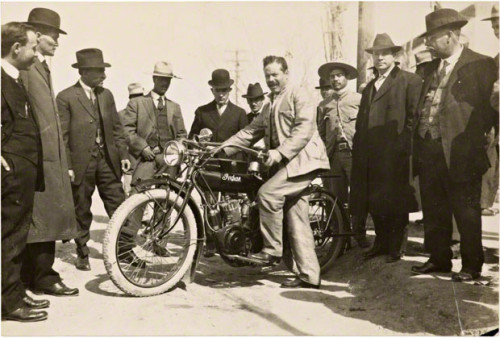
[(383, 42), (164, 69), (46, 18), (90, 58), (323, 84), (443, 18), (135, 88), (254, 91), (494, 13), (325, 70), (221, 79)]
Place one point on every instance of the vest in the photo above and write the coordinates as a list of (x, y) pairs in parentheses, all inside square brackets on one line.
[(429, 118)]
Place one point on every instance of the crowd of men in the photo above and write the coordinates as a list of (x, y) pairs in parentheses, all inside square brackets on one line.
[(436, 122)]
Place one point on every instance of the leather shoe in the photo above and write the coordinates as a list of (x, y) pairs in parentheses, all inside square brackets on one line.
[(428, 267), (463, 276), (373, 252), (25, 314), (82, 263), (298, 283), (57, 289), (36, 303), (362, 242), (265, 258)]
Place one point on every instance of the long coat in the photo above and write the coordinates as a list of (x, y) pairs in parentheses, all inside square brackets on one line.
[(78, 124), (53, 211), (295, 120), (222, 126), (380, 180), (139, 122), (465, 115)]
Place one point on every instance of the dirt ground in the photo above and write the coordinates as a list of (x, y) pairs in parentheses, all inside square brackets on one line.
[(356, 298)]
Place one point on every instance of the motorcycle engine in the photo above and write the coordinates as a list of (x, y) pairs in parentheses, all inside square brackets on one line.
[(231, 237)]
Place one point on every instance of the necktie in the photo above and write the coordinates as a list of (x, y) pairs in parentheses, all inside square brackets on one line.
[(442, 72), (161, 104), (46, 67), (19, 81), (93, 96)]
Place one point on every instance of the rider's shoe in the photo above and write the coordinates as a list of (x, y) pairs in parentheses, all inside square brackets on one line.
[(265, 258), (373, 252), (298, 283)]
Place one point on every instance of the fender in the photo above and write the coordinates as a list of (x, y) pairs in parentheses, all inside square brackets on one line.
[(145, 185)]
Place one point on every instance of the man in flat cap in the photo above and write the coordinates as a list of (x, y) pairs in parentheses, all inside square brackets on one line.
[(95, 144), (325, 88), (453, 116), (336, 118), (53, 212), (22, 171), (221, 116), (380, 181)]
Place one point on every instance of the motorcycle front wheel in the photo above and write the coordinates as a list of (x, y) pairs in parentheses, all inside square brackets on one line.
[(145, 254)]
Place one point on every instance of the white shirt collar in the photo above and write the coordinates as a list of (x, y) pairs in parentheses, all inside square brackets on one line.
[(12, 71), (40, 57), (86, 88), (222, 109), (155, 98), (453, 59)]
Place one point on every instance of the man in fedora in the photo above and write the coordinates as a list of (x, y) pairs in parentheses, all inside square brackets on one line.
[(53, 212), (380, 180), (452, 119), (336, 118), (295, 156), (255, 98), (221, 116), (325, 88), (95, 144), (22, 171)]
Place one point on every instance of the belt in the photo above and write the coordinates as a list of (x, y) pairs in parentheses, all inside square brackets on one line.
[(342, 146)]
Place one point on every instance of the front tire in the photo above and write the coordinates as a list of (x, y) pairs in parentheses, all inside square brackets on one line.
[(140, 263)]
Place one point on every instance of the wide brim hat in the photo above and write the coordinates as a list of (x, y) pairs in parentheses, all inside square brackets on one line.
[(135, 88), (164, 69), (323, 84), (90, 58), (254, 91), (383, 42), (220, 79), (494, 13), (325, 70), (45, 17), (443, 18)]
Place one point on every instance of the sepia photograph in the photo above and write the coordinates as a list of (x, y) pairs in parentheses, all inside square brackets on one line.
[(250, 168)]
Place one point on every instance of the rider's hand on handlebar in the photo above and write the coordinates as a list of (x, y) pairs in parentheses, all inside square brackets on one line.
[(273, 157), (148, 154)]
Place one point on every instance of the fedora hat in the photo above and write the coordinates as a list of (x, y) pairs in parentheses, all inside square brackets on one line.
[(221, 79), (325, 70), (323, 84), (90, 58), (46, 18), (254, 91), (383, 42), (423, 56), (443, 18), (135, 88), (164, 69), (494, 13)]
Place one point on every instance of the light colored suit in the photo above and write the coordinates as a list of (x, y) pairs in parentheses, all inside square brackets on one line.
[(303, 155)]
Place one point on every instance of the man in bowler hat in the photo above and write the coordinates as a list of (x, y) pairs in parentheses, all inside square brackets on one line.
[(95, 144), (325, 88), (453, 116), (22, 171), (221, 116), (53, 212), (380, 179), (336, 119)]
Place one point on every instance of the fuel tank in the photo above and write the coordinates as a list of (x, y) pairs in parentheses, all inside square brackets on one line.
[(228, 182)]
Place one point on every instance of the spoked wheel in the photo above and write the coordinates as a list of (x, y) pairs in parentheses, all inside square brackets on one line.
[(328, 222), (145, 253)]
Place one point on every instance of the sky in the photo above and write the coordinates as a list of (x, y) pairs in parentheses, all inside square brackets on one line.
[(199, 37)]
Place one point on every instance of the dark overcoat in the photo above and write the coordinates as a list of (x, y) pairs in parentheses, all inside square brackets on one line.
[(53, 210), (380, 182), (78, 124)]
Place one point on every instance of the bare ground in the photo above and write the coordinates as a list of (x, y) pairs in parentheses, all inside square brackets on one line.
[(356, 298)]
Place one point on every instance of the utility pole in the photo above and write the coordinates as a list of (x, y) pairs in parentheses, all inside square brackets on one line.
[(334, 32), (366, 28), (237, 64)]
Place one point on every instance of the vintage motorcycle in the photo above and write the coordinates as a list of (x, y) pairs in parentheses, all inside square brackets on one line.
[(155, 238)]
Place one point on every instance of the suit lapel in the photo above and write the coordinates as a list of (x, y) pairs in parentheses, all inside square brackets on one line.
[(150, 108), (226, 115), (84, 100), (39, 67), (428, 77), (8, 93), (213, 114), (454, 72), (170, 113), (386, 85)]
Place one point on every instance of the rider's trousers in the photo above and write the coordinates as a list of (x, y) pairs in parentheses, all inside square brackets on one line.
[(279, 200)]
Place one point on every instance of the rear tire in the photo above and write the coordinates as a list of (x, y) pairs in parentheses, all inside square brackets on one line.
[(154, 272)]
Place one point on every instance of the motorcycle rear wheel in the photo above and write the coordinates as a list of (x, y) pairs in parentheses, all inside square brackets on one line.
[(137, 261), (328, 220)]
